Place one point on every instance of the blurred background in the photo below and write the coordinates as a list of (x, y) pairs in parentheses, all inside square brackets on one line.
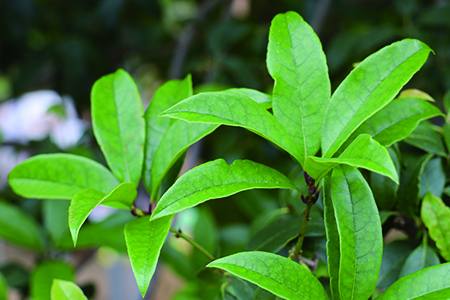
[(52, 51)]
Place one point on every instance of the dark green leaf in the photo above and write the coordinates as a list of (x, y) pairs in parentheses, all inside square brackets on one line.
[(394, 256), (384, 189), (66, 290), (427, 138), (4, 288), (59, 176), (118, 123), (206, 234), (421, 258), (56, 214), (217, 179), (42, 277), (243, 289), (432, 178)]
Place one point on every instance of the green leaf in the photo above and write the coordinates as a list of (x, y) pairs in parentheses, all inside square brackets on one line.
[(359, 229), (244, 290), (432, 178), (217, 179), (84, 202), (178, 262), (427, 138), (446, 134), (363, 152), (234, 110), (59, 176), (144, 240), (384, 189), (42, 278), (165, 96), (436, 217), (4, 288), (206, 234), (279, 275), (415, 93), (20, 228), (175, 142), (296, 62), (118, 123), (55, 215), (408, 191), (263, 99), (430, 283), (421, 258), (394, 256), (368, 88), (66, 290), (385, 215), (397, 120)]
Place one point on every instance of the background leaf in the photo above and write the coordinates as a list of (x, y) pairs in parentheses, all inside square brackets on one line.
[(394, 256), (296, 62), (243, 289), (4, 288), (59, 176), (217, 179), (383, 188), (66, 290), (427, 138), (118, 123), (42, 277), (430, 283), (432, 178), (55, 215), (20, 228), (436, 217), (165, 96), (421, 258), (275, 273), (368, 88), (234, 110), (144, 240)]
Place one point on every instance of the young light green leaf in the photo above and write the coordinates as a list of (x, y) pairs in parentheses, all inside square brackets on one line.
[(359, 228), (234, 110), (165, 96), (59, 176), (20, 228), (84, 202), (118, 123), (436, 217), (408, 191), (427, 138), (394, 256), (430, 283), (363, 152), (217, 179), (279, 275), (415, 93), (144, 240), (396, 120), (296, 62), (3, 288), (368, 88), (432, 178), (175, 142), (421, 258), (43, 276), (261, 98), (66, 290)]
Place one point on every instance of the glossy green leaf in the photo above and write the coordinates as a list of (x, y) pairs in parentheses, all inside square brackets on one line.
[(421, 258), (217, 179), (118, 123), (296, 62), (175, 142), (165, 96), (66, 290), (20, 228), (394, 256), (84, 202), (234, 110), (368, 88), (3, 288), (436, 217), (59, 176), (397, 120), (55, 215), (359, 229), (383, 188), (263, 99), (430, 283), (363, 152), (279, 275), (432, 178), (144, 240), (427, 138), (43, 276), (408, 191)]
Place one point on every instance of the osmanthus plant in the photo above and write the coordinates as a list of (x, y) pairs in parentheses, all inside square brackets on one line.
[(328, 136)]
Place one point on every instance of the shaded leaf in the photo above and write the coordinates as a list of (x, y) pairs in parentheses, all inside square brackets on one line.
[(243, 289), (56, 214), (436, 217), (421, 258), (383, 188), (59, 176), (217, 179), (432, 178), (4, 288), (66, 290), (44, 274), (206, 234), (385, 215), (394, 256), (274, 273), (368, 88), (427, 138), (296, 62), (118, 123), (234, 110), (144, 240)]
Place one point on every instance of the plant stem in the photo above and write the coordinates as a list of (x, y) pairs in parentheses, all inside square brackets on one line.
[(178, 233)]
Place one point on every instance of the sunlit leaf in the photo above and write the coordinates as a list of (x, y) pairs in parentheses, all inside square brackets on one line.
[(261, 98), (43, 276), (66, 290)]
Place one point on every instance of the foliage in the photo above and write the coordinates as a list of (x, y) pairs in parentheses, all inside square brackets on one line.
[(329, 137)]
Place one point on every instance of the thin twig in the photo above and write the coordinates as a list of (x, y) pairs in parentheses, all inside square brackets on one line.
[(180, 234)]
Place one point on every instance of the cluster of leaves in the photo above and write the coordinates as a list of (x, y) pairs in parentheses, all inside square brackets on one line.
[(329, 139)]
